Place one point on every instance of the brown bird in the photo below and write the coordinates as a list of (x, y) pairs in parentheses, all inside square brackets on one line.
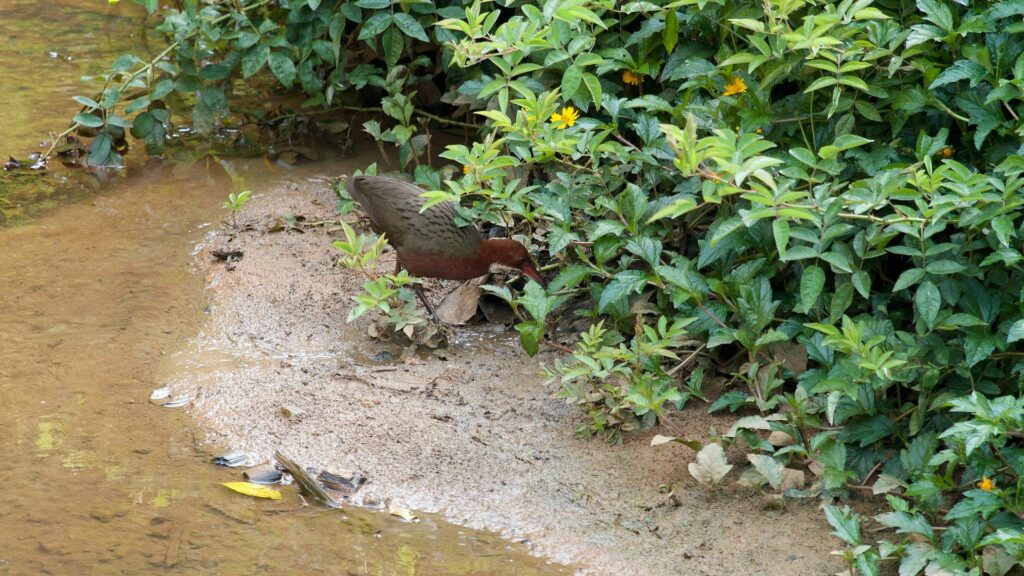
[(429, 244)]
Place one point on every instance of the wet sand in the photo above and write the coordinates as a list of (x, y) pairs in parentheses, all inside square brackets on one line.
[(470, 431)]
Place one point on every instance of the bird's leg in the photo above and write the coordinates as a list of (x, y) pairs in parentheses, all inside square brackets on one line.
[(418, 289)]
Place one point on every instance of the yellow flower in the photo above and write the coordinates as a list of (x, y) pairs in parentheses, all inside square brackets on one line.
[(987, 484), (566, 118), (466, 169), (630, 77), (737, 86), (947, 152)]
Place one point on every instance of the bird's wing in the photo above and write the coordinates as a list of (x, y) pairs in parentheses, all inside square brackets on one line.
[(394, 208)]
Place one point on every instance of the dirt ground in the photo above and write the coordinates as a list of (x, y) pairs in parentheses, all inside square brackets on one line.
[(470, 431)]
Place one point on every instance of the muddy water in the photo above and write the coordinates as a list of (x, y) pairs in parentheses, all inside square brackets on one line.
[(95, 297)]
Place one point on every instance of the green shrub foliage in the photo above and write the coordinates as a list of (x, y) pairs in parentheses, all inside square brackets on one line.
[(816, 205)]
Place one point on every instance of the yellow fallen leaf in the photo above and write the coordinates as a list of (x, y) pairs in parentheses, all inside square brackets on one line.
[(254, 490)]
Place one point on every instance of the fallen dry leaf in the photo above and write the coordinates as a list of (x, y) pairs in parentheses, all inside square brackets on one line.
[(460, 304), (790, 355), (658, 440), (710, 466), (395, 509)]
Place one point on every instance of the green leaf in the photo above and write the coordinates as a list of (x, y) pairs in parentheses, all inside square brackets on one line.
[(674, 209), (811, 283), (845, 523), (393, 42), (960, 70), (937, 12), (908, 278), (928, 301), (530, 336), (87, 102), (862, 282), (214, 72), (571, 80), (124, 63), (780, 231), (88, 120), (842, 143), (115, 120), (1016, 332), (670, 35), (282, 67), (594, 87), (620, 287), (254, 59), (907, 523), (375, 25), (944, 267), (410, 26)]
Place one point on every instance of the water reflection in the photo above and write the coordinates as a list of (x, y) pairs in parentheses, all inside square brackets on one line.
[(94, 297)]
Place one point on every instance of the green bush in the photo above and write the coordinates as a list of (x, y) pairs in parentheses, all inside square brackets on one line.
[(815, 202)]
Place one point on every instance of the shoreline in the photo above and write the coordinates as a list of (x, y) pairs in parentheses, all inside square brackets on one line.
[(470, 431)]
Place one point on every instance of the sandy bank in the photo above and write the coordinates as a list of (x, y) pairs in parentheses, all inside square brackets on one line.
[(470, 431)]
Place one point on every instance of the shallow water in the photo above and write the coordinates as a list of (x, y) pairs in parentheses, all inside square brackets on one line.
[(96, 296)]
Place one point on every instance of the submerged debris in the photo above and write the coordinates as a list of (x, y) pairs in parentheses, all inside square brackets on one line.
[(396, 509), (232, 459), (306, 482), (160, 394), (227, 255), (177, 402), (339, 483), (266, 474)]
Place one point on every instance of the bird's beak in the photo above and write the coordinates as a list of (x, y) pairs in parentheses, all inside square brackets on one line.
[(530, 272)]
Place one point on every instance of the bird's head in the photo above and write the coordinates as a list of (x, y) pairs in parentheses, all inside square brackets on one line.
[(505, 254)]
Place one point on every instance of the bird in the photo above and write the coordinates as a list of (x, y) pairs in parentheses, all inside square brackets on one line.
[(429, 243)]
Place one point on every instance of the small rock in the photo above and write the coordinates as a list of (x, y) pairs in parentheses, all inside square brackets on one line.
[(792, 479), (773, 502), (688, 552), (779, 438), (292, 413)]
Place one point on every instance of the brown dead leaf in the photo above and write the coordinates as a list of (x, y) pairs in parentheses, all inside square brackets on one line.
[(790, 355), (460, 304)]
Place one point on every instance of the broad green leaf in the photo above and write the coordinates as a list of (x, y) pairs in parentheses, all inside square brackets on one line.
[(282, 67), (571, 80), (908, 278), (928, 301), (862, 282), (254, 59), (88, 120), (1016, 332), (811, 283), (410, 26)]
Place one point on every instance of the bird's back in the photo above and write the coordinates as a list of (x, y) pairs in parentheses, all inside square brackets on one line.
[(394, 206)]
